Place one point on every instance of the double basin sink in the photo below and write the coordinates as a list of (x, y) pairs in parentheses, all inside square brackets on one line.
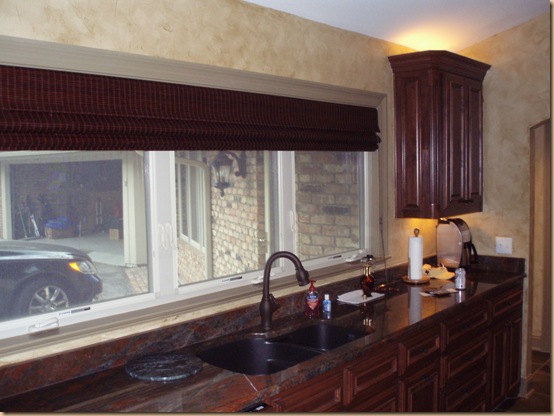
[(258, 355)]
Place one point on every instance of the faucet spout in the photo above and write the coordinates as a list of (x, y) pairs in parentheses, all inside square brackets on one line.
[(269, 304)]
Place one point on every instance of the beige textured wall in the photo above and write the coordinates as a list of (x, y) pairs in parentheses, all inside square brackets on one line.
[(517, 96)]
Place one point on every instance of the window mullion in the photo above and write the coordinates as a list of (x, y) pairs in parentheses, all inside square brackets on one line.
[(161, 173), (287, 204)]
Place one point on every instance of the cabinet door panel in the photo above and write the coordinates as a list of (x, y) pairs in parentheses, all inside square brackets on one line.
[(413, 350), (468, 396), (475, 145), (413, 147), (380, 399), (321, 394), (461, 147), (499, 358), (464, 326), (469, 356), (514, 337), (367, 376), (420, 390), (454, 141)]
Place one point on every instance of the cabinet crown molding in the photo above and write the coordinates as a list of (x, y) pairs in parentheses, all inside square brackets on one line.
[(441, 61)]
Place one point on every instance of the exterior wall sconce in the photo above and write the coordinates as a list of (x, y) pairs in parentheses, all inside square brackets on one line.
[(222, 169)]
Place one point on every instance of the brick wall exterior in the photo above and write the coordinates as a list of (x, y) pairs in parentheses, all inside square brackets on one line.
[(328, 204), (238, 222), (328, 209)]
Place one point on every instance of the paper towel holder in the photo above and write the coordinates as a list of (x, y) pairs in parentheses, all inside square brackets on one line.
[(424, 278)]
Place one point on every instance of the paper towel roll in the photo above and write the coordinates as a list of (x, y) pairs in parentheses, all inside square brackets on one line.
[(415, 258)]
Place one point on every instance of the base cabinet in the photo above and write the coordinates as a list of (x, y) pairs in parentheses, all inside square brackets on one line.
[(419, 391), (321, 394), (468, 396), (470, 362), (371, 383), (506, 333)]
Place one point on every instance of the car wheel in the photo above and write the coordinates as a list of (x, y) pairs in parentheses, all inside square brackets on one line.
[(42, 296)]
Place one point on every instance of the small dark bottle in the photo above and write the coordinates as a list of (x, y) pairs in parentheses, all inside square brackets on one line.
[(367, 281)]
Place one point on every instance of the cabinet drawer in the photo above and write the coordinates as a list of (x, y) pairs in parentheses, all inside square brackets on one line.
[(374, 372), (471, 356), (506, 303), (416, 349), (321, 394), (464, 326), (469, 396), (381, 400)]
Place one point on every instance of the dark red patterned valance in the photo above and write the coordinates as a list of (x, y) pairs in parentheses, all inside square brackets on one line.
[(55, 110)]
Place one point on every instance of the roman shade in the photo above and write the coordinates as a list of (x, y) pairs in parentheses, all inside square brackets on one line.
[(55, 110)]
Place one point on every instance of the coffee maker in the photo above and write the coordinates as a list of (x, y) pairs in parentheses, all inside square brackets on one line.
[(454, 246)]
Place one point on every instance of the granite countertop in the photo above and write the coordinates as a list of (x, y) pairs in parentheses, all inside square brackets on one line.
[(214, 389)]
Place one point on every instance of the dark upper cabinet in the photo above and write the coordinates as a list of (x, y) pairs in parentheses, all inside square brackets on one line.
[(438, 102)]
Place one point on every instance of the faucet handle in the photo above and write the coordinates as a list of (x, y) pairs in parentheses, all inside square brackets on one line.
[(274, 304)]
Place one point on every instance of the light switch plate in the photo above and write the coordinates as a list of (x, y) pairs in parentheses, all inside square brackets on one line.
[(503, 245)]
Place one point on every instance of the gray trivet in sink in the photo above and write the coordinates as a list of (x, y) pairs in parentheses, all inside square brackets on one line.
[(163, 367)]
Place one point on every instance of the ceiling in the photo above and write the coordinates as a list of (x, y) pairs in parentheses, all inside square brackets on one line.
[(419, 24)]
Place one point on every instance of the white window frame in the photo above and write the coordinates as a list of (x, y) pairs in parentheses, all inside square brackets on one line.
[(201, 201)]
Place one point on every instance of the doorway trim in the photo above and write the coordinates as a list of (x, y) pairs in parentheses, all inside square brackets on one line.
[(540, 246)]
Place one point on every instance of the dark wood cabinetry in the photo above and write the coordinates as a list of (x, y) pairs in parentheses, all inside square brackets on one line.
[(371, 384), (506, 333), (419, 389), (466, 362), (438, 103), (321, 394), (419, 371)]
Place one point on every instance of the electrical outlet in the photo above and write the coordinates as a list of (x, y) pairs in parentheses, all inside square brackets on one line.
[(503, 245)]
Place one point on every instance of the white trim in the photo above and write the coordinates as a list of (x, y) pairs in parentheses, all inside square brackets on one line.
[(55, 56)]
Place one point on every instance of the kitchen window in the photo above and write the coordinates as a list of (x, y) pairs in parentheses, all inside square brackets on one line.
[(310, 203), (301, 155)]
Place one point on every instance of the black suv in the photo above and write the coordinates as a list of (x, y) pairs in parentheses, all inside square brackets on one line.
[(37, 277)]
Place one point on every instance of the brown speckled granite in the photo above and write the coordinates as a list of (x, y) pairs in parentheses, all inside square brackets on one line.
[(98, 381)]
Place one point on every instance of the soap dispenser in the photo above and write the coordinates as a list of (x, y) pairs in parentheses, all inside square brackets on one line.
[(311, 301)]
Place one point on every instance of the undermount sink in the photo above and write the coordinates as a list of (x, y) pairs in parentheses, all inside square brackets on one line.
[(323, 337), (256, 356)]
